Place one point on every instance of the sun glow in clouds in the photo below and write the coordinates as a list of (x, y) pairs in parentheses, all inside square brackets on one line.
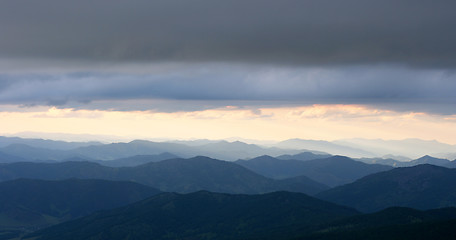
[(327, 122)]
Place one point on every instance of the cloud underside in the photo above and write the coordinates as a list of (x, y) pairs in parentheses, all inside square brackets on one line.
[(417, 33), (180, 55), (198, 87)]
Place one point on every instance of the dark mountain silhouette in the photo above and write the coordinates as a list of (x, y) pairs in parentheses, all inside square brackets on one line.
[(174, 175), (31, 204), (332, 171), (300, 184), (304, 156), (393, 223), (279, 215), (421, 187), (204, 215)]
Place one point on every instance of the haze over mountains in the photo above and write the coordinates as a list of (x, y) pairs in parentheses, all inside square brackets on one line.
[(173, 175), (332, 171), (245, 194), (227, 120), (38, 149), (220, 150)]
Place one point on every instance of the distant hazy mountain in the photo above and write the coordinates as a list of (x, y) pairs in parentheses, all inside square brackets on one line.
[(421, 187), (197, 142), (332, 171), (7, 158), (451, 164), (273, 167), (138, 147), (221, 150), (32, 204), (397, 158), (304, 156), (38, 154), (174, 175), (136, 160), (402, 150), (393, 223), (56, 171), (426, 160), (412, 148), (204, 215), (41, 143), (422, 160), (324, 146), (448, 155), (239, 150), (383, 161)]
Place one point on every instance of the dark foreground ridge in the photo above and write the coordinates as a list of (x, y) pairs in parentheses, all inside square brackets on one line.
[(279, 215), (204, 215), (420, 187), (27, 204)]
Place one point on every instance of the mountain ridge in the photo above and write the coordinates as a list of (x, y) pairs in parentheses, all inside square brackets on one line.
[(422, 187)]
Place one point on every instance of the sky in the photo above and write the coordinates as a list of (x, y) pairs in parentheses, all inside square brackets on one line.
[(258, 69)]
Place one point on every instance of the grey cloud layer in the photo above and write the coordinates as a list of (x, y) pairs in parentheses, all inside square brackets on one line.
[(414, 32), (200, 87)]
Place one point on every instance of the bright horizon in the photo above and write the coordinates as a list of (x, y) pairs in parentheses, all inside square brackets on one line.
[(317, 122)]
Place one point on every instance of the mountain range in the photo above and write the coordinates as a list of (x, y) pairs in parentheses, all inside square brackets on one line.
[(204, 215), (221, 150), (399, 150), (422, 160), (420, 187), (172, 175), (279, 215), (294, 190), (412, 148), (27, 204), (134, 160), (395, 223), (331, 171), (43, 143)]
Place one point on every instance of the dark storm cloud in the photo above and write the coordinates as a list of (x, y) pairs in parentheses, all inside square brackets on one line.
[(201, 87), (312, 32)]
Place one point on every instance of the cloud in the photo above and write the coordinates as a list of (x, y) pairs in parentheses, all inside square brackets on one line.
[(203, 86), (417, 33)]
